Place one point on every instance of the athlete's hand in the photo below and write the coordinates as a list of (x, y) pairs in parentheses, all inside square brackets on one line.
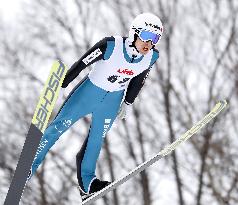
[(123, 111)]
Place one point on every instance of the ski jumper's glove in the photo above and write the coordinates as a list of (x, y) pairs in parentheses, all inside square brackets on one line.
[(124, 110)]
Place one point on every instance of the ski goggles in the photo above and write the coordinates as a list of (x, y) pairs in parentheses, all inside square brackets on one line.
[(149, 36)]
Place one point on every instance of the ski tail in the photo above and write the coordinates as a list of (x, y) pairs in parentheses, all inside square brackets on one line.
[(38, 125), (49, 95), (168, 149)]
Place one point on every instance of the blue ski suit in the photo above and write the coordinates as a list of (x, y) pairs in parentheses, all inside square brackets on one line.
[(117, 75)]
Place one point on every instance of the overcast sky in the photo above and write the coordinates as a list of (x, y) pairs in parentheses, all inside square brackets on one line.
[(9, 9)]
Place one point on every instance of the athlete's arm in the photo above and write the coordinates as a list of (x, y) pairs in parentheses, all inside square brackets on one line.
[(94, 54), (138, 81), (135, 86)]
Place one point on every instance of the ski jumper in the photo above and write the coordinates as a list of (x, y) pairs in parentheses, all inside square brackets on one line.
[(116, 75)]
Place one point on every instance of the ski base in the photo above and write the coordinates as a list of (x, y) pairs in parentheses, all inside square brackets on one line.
[(26, 158)]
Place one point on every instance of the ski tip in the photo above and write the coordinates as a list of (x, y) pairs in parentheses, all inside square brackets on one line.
[(223, 103)]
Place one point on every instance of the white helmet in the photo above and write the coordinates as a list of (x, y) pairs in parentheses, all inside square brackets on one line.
[(146, 22)]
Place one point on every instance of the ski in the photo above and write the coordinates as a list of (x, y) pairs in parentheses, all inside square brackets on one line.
[(168, 149), (38, 125)]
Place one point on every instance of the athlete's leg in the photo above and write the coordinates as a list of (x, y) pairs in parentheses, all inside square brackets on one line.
[(76, 106), (102, 120)]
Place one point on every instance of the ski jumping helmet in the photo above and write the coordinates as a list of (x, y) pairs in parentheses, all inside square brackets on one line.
[(146, 26)]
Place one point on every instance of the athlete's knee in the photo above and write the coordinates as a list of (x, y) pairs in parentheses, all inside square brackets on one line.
[(61, 126)]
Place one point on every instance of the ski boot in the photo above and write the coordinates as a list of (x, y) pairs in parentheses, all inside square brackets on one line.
[(95, 186)]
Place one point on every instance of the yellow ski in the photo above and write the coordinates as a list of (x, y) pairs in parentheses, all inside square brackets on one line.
[(38, 125)]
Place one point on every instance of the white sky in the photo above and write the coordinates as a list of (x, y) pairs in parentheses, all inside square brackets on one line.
[(9, 9)]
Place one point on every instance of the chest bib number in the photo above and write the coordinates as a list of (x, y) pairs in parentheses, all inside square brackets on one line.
[(118, 79)]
